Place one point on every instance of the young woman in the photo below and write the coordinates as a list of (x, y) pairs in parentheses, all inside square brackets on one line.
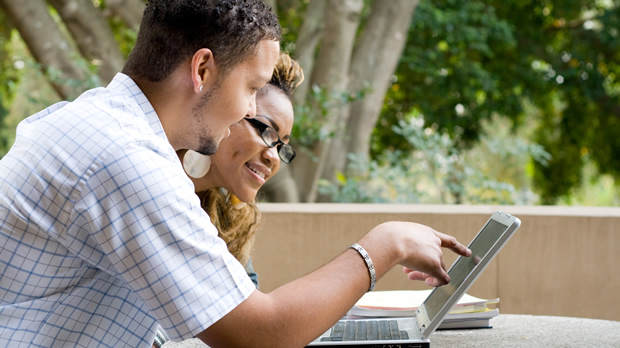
[(250, 156)]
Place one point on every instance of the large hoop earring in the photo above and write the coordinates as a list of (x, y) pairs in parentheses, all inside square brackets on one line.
[(195, 164)]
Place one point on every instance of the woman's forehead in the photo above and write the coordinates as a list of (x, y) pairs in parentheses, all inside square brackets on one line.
[(276, 110)]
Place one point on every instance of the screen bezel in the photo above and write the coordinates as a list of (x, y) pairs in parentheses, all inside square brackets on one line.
[(428, 325)]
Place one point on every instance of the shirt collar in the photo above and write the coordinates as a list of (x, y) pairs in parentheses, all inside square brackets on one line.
[(125, 85)]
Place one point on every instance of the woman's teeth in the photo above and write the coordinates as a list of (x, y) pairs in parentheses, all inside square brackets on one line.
[(259, 173)]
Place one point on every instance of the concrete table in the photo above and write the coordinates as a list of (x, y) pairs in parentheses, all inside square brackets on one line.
[(511, 330)]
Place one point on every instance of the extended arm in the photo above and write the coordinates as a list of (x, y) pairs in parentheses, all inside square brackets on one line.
[(298, 312)]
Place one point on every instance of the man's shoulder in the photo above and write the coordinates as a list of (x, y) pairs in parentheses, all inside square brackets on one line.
[(98, 107), (100, 125)]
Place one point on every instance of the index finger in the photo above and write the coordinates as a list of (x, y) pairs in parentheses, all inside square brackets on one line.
[(451, 243)]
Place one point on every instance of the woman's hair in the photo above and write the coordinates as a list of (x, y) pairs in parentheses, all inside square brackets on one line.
[(287, 75), (238, 226), (173, 30)]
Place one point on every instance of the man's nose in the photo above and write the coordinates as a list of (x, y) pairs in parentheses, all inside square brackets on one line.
[(252, 109)]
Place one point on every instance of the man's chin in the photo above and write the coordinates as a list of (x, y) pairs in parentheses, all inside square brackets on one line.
[(208, 146), (205, 153)]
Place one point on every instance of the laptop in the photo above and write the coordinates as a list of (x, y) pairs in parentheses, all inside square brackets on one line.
[(415, 331)]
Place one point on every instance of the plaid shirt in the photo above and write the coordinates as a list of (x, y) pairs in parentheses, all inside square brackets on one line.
[(101, 235)]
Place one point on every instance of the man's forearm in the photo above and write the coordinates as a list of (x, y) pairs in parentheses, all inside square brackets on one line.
[(298, 312)]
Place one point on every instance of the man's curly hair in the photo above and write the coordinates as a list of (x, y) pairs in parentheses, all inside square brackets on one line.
[(173, 30)]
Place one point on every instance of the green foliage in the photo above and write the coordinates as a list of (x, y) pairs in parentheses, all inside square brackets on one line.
[(126, 37), (594, 189), (19, 73), (7, 70), (290, 15), (9, 78), (78, 86), (551, 65), (311, 118), (449, 70), (466, 61), (582, 68), (29, 93), (436, 171)]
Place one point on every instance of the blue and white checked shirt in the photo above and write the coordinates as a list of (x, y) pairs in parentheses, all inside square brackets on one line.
[(101, 235)]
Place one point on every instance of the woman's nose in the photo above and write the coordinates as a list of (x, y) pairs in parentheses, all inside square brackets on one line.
[(271, 154)]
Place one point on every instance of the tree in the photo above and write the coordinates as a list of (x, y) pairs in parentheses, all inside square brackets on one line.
[(8, 77), (92, 35), (370, 64), (47, 43), (67, 59), (349, 61), (468, 61), (78, 37)]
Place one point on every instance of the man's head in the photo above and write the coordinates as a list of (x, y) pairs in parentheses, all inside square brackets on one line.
[(173, 30), (253, 152), (200, 63)]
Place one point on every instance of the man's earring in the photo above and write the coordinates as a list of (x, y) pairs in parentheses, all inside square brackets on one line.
[(201, 87), (196, 165)]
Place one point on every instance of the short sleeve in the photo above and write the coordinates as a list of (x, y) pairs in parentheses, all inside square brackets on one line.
[(139, 219)]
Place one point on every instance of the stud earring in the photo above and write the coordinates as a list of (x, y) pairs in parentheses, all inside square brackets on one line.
[(195, 164), (201, 87)]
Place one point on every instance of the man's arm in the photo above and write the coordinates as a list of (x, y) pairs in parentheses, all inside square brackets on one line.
[(298, 312)]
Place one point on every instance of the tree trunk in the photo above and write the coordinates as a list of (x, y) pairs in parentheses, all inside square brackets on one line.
[(47, 44), (308, 39), (92, 34), (129, 11), (374, 62), (331, 71), (282, 187)]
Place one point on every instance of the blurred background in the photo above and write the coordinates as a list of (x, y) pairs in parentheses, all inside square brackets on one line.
[(404, 101)]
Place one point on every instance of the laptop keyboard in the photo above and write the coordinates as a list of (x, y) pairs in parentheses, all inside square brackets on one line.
[(366, 330)]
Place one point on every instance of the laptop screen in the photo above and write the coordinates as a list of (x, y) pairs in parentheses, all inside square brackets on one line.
[(480, 246)]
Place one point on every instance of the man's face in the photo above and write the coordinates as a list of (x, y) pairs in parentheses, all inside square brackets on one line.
[(232, 98)]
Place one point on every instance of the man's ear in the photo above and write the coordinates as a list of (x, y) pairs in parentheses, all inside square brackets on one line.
[(204, 71)]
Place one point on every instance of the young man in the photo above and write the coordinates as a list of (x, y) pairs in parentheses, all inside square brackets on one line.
[(102, 238)]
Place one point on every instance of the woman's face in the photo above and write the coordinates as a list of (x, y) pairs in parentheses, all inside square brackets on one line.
[(243, 163)]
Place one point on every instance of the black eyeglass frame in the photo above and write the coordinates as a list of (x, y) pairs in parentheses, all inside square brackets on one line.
[(262, 127)]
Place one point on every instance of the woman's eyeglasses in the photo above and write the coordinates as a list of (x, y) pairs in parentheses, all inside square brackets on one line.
[(271, 138)]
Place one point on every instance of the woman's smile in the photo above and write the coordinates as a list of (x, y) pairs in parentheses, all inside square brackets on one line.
[(259, 171)]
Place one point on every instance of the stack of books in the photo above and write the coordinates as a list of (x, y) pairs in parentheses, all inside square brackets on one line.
[(469, 313)]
